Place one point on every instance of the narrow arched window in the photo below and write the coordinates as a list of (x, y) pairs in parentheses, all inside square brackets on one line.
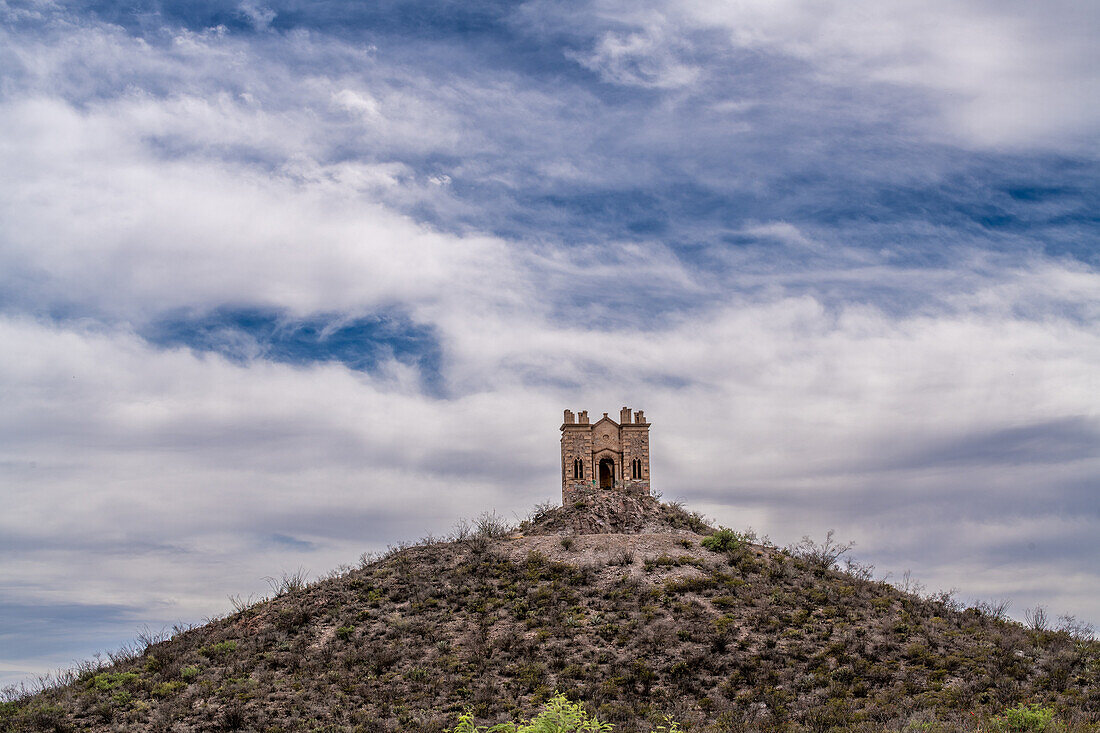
[(636, 468), (578, 468)]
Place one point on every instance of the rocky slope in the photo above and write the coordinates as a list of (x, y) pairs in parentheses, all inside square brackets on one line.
[(603, 512), (617, 604)]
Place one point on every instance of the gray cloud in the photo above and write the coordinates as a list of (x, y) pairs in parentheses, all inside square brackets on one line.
[(1055, 441)]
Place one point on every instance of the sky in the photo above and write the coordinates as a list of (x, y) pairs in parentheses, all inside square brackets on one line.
[(285, 282)]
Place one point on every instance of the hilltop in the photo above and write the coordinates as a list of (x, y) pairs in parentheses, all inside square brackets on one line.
[(635, 608)]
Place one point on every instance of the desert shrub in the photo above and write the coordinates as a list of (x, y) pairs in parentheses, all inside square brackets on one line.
[(189, 673), (821, 555), (944, 601), (724, 602), (996, 610), (240, 605), (287, 582), (859, 570), (1037, 618), (215, 650), (1024, 718), (724, 540), (1075, 629), (690, 584), (668, 561), (486, 527), (111, 681), (293, 618), (559, 715), (624, 557), (233, 717), (491, 525), (44, 718), (567, 543), (165, 689), (538, 513), (682, 518)]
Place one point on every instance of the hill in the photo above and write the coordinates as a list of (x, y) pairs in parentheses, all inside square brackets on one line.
[(635, 608)]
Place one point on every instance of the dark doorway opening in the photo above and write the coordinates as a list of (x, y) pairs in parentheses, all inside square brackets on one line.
[(607, 473)]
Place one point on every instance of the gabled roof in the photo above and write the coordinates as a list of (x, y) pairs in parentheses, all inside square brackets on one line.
[(605, 418)]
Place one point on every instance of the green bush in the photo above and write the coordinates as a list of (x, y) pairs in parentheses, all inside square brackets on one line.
[(559, 715), (222, 647), (45, 717), (165, 689), (111, 681), (724, 540), (1024, 718)]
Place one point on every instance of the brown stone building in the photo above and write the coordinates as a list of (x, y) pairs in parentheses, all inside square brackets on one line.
[(605, 454)]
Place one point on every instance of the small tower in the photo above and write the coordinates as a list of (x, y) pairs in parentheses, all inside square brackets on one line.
[(605, 455)]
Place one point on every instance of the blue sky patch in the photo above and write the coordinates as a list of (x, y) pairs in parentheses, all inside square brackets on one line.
[(62, 628), (293, 543), (361, 343)]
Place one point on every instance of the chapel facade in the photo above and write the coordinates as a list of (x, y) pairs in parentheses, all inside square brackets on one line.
[(604, 455)]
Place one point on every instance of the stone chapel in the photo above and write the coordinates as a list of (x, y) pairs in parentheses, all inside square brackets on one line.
[(604, 455)]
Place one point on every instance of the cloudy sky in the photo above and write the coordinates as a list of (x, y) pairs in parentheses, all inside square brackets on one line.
[(284, 282)]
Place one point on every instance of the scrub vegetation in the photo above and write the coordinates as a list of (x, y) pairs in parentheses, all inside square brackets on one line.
[(675, 627)]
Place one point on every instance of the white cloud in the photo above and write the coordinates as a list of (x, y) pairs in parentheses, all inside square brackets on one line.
[(981, 74), (120, 229), (359, 103), (642, 59), (1002, 74), (783, 232), (259, 14)]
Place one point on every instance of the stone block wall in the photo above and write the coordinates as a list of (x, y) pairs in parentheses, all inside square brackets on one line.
[(625, 443)]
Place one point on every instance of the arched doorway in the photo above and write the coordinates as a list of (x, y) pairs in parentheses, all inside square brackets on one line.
[(607, 473)]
